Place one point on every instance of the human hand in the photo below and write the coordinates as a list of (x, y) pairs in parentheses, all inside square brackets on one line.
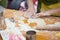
[(29, 13), (41, 15)]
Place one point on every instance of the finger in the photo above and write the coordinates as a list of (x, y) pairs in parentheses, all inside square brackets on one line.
[(35, 16)]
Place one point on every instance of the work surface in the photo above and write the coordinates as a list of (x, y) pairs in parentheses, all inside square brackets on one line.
[(42, 35)]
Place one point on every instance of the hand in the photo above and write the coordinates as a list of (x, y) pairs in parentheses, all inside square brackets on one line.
[(29, 13), (41, 14)]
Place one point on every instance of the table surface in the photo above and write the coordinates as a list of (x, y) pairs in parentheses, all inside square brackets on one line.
[(42, 35)]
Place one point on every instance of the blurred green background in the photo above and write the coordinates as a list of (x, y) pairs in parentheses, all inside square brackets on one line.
[(4, 3)]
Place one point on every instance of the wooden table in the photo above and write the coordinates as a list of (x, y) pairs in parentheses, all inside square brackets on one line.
[(8, 13), (42, 35)]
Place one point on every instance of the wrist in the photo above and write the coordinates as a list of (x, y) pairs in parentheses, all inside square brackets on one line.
[(47, 13)]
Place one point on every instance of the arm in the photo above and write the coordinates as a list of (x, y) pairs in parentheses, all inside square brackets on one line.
[(48, 13), (53, 11), (30, 10), (30, 5)]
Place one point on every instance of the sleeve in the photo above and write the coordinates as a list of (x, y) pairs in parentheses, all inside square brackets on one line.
[(15, 4)]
